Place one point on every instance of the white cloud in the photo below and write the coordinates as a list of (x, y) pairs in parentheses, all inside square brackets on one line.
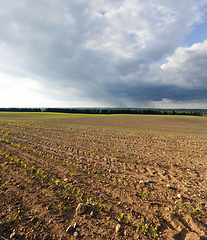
[(187, 66)]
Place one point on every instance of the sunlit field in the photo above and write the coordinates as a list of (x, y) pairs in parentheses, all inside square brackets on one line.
[(136, 176)]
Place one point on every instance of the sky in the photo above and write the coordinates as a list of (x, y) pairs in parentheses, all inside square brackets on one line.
[(103, 53)]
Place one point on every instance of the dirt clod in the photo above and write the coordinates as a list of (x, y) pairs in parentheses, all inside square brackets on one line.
[(76, 234), (192, 236)]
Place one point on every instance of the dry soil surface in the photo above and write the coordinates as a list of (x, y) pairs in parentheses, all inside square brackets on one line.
[(134, 184)]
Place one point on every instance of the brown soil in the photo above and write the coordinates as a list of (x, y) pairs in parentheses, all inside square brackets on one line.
[(152, 183)]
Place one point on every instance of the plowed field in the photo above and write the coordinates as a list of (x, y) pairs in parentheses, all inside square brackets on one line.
[(140, 177)]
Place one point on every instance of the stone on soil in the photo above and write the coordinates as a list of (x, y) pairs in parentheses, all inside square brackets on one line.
[(81, 209), (69, 229), (14, 235), (179, 195), (76, 234), (118, 228), (75, 225)]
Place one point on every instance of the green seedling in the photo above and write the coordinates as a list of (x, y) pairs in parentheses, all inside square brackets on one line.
[(5, 185), (130, 153), (115, 182), (79, 193), (89, 201), (17, 215), (121, 216), (5, 221), (76, 167), (59, 207), (128, 219), (3, 140), (44, 175), (73, 190), (138, 225), (146, 228), (65, 208), (179, 204), (101, 207), (16, 160), (154, 233), (57, 182), (146, 194), (197, 212)]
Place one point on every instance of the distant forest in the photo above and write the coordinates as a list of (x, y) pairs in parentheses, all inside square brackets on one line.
[(20, 110), (191, 112), (187, 112)]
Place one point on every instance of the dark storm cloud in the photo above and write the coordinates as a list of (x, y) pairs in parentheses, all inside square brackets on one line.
[(158, 93)]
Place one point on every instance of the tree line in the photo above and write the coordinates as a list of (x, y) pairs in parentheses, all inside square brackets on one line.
[(187, 112), (20, 110), (129, 111)]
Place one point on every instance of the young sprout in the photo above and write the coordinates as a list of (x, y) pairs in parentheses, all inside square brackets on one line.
[(196, 211), (89, 201), (128, 219), (154, 233), (57, 182), (146, 228), (102, 206), (138, 225), (121, 216)]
